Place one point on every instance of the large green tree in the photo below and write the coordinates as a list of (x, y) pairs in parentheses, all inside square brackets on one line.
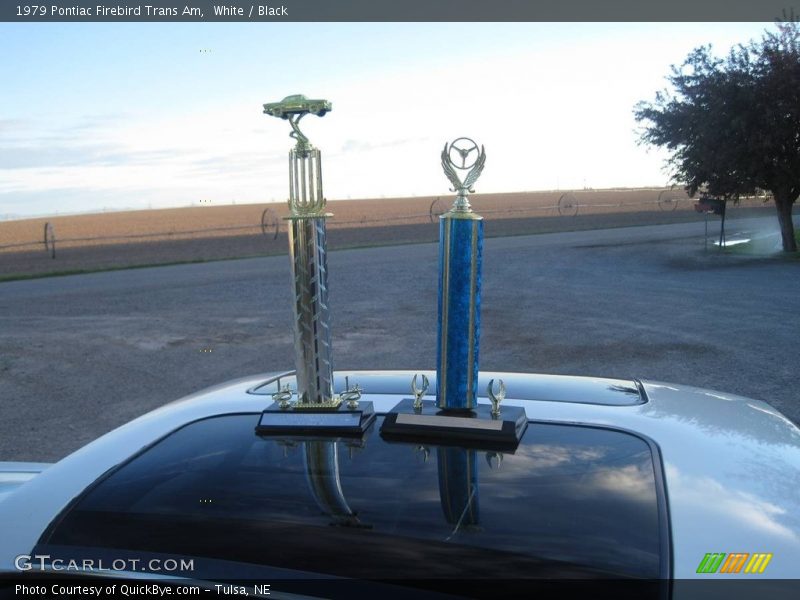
[(732, 124)]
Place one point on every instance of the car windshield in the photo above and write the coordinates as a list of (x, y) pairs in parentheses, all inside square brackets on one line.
[(571, 501)]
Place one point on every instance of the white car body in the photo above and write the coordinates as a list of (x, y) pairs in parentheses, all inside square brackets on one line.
[(731, 464)]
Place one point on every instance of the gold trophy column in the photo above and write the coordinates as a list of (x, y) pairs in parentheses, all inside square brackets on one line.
[(307, 250)]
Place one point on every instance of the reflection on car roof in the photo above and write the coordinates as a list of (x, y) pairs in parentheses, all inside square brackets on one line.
[(571, 501)]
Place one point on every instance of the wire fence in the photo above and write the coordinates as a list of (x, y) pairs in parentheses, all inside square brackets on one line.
[(567, 204)]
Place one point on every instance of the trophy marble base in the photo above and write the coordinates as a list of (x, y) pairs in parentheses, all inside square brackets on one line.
[(340, 421), (476, 429)]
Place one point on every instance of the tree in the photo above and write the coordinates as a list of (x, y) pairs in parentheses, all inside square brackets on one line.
[(733, 124)]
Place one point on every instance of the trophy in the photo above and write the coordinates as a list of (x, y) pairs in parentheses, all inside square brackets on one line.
[(317, 406), (460, 249), (456, 418)]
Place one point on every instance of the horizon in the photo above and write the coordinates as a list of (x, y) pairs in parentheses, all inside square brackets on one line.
[(7, 217), (106, 117)]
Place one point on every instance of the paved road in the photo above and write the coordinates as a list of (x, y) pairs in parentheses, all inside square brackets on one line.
[(83, 354)]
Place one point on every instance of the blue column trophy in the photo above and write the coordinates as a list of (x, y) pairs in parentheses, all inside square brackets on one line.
[(460, 249), (457, 418)]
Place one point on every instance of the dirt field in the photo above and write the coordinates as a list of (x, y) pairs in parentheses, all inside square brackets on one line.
[(120, 239)]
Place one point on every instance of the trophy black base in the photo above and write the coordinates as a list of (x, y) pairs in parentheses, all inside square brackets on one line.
[(476, 429), (341, 421)]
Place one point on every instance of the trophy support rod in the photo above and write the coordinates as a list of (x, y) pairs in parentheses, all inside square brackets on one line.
[(458, 336), (308, 253), (312, 335)]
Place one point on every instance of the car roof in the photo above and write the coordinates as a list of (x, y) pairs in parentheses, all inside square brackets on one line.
[(401, 506), (728, 460)]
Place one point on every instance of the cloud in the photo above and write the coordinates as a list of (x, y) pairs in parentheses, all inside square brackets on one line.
[(88, 140), (99, 121), (352, 145), (743, 509), (105, 160), (14, 157), (12, 125)]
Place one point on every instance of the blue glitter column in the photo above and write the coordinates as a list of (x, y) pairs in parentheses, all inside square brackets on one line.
[(458, 485), (460, 249)]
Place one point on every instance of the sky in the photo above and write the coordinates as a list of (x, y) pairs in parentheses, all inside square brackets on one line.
[(99, 116)]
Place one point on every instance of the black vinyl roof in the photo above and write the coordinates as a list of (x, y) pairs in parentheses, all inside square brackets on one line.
[(571, 502)]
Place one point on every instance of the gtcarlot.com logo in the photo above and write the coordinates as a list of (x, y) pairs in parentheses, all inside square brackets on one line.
[(44, 562), (735, 562)]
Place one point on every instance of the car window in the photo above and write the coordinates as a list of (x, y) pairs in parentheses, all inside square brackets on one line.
[(571, 501)]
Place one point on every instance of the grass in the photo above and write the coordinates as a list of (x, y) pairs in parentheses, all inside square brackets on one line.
[(763, 246)]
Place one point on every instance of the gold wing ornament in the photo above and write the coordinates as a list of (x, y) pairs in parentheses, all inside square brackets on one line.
[(472, 176), (475, 172), (450, 171)]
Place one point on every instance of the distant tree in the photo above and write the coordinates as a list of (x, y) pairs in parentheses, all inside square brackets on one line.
[(733, 124)]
